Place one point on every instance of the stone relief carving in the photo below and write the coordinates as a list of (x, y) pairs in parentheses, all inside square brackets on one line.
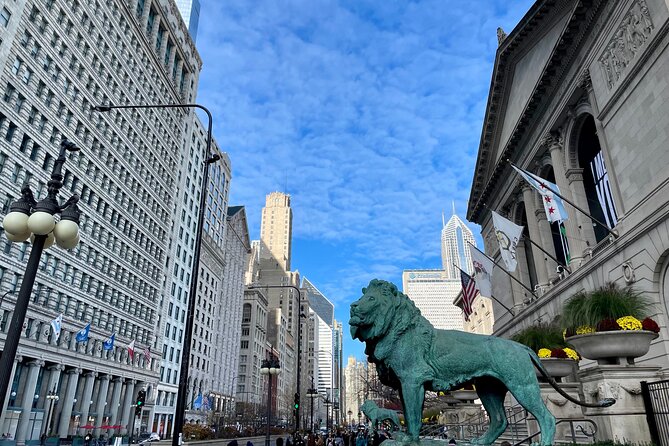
[(627, 40)]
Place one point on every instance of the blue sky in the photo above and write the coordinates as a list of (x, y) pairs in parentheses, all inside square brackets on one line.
[(367, 112)]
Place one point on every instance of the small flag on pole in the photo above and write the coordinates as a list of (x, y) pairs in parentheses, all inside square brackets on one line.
[(109, 343), (56, 326), (469, 292), (197, 404), (147, 353), (82, 335), (508, 234), (131, 350), (553, 205), (483, 266)]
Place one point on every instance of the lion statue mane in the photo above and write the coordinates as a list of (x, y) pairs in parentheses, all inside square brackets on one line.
[(412, 356), (376, 414)]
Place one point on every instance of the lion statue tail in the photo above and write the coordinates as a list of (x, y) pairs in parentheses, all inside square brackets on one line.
[(606, 402)]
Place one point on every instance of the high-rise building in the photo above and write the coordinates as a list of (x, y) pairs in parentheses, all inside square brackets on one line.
[(253, 342), (323, 345), (57, 59), (276, 229), (338, 365), (455, 249), (190, 12), (433, 293), (355, 374), (229, 317)]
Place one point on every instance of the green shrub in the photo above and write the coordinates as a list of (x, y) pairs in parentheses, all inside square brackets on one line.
[(541, 336), (607, 302)]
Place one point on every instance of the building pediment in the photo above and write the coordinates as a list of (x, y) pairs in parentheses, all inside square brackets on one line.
[(528, 64)]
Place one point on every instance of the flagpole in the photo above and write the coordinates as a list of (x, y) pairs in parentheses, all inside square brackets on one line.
[(491, 296), (525, 237), (505, 271), (539, 179), (547, 253)]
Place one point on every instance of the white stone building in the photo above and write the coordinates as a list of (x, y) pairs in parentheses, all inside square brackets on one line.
[(58, 59), (433, 292)]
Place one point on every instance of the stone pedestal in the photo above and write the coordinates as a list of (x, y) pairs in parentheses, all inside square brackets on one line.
[(562, 409), (459, 418), (626, 419)]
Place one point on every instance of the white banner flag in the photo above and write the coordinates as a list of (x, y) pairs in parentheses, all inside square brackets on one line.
[(55, 325), (508, 233), (483, 271)]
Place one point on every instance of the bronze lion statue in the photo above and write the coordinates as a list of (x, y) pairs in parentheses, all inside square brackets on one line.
[(377, 414), (412, 357)]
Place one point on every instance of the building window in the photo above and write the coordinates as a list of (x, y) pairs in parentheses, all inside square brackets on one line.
[(5, 15)]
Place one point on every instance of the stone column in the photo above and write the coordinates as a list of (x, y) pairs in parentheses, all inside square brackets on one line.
[(68, 402), (586, 229), (86, 396), (54, 377), (49, 405), (576, 246), (116, 399), (127, 403), (3, 413), (546, 233), (101, 402), (535, 235), (27, 401)]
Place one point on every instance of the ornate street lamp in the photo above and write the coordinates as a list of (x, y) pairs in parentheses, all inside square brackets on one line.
[(350, 420), (328, 402), (52, 397), (312, 393), (269, 367), (30, 219)]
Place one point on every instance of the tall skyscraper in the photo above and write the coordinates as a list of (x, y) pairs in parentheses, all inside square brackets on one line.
[(323, 343), (355, 377), (190, 12), (455, 250), (276, 229), (58, 59), (433, 292)]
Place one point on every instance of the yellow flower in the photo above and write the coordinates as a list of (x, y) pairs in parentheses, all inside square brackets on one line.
[(629, 323), (544, 353), (571, 353), (584, 329)]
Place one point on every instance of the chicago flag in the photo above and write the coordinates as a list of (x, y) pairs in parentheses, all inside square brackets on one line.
[(553, 205)]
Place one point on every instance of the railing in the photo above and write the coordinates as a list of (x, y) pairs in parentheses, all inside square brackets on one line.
[(579, 427)]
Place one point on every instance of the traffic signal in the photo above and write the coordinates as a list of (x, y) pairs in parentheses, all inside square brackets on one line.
[(297, 401), (139, 404)]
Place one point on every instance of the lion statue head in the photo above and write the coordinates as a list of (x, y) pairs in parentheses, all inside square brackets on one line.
[(382, 310)]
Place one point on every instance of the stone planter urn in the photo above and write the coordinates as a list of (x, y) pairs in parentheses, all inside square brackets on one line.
[(464, 395), (613, 347), (558, 368)]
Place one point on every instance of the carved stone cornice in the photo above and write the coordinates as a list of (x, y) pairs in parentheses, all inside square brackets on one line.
[(574, 175), (584, 80)]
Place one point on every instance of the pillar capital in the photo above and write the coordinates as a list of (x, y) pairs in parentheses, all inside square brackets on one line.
[(584, 80), (74, 371), (118, 379), (91, 373), (574, 175), (553, 140), (56, 367), (540, 213), (35, 363), (524, 186), (105, 377)]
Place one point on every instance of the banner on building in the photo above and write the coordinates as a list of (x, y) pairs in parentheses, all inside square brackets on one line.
[(508, 234)]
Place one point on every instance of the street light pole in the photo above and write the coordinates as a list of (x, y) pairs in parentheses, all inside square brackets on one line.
[(269, 367), (190, 316), (299, 345), (312, 393), (28, 217)]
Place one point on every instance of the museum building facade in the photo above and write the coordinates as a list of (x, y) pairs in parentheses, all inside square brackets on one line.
[(580, 97)]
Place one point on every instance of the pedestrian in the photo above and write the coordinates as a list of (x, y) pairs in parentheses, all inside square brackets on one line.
[(289, 441), (279, 441), (87, 439), (452, 442), (249, 443)]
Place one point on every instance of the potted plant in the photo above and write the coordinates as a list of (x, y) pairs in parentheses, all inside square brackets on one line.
[(557, 357), (610, 324)]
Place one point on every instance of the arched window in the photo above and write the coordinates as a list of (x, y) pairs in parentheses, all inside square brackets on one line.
[(595, 178)]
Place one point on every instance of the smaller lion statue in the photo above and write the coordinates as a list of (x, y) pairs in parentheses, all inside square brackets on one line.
[(378, 414)]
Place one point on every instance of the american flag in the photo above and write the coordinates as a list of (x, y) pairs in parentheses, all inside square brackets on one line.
[(147, 354), (469, 293)]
